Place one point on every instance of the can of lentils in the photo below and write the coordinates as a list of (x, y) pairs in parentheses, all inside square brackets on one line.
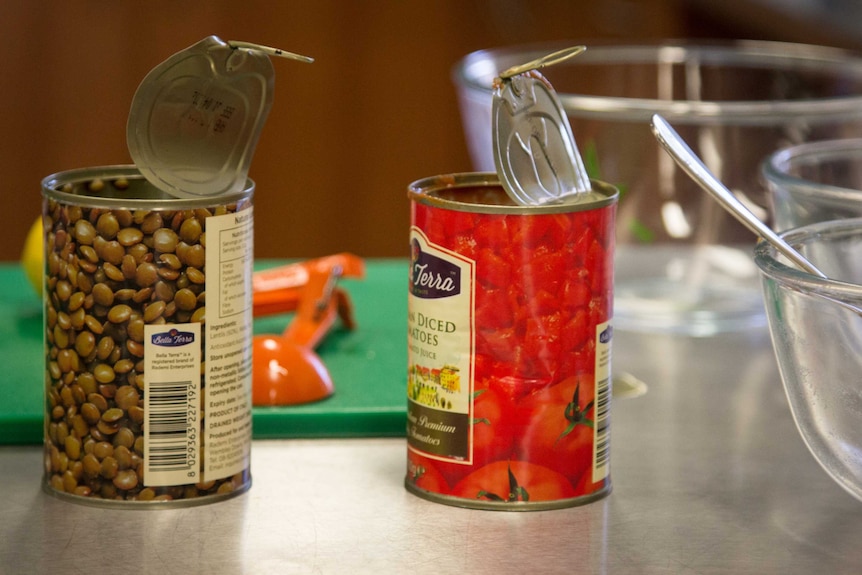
[(147, 313), (509, 346)]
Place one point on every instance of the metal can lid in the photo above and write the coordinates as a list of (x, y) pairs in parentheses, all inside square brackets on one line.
[(196, 118), (535, 154)]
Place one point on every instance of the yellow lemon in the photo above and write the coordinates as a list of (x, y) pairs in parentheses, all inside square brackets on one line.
[(31, 256)]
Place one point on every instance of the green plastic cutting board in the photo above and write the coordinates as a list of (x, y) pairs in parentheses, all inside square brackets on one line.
[(368, 365)]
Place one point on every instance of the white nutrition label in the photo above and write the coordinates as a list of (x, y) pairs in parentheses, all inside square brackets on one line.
[(602, 424), (227, 395), (176, 401)]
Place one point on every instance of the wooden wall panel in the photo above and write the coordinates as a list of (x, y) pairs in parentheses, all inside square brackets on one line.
[(346, 134)]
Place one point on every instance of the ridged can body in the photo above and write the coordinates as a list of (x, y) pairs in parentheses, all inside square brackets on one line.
[(147, 315), (509, 346)]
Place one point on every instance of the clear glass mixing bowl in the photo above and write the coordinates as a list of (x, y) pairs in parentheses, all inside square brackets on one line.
[(815, 182), (734, 103), (816, 330)]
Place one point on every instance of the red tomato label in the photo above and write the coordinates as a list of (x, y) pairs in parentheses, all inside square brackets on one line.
[(529, 333)]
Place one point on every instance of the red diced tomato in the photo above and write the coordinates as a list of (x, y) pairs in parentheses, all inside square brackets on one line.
[(581, 247), (576, 331), (543, 303), (515, 386), (492, 270), (498, 343), (545, 270), (492, 232), (494, 310), (595, 262), (559, 229), (460, 222), (576, 294), (464, 245), (542, 343), (527, 233), (577, 361)]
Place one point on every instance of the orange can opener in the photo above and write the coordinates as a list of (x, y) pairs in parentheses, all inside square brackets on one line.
[(280, 289)]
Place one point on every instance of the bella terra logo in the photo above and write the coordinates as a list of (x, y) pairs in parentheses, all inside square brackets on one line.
[(432, 277), (173, 338)]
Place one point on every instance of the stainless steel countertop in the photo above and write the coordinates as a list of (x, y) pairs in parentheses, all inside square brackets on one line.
[(709, 472)]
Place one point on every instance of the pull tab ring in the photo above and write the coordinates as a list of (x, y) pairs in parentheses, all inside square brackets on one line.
[(543, 62), (270, 51)]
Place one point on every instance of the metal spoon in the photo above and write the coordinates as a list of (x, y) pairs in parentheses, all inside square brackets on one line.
[(694, 167)]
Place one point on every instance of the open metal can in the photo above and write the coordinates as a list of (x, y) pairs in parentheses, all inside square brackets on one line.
[(147, 312), (509, 346)]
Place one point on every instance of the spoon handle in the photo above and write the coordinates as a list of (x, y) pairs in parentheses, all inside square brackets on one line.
[(695, 168)]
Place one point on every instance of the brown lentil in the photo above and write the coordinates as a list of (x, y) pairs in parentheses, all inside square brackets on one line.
[(119, 313), (85, 344), (103, 373), (130, 236), (109, 467), (111, 252), (126, 480), (107, 226), (185, 299), (73, 446), (96, 185), (151, 222), (154, 311), (125, 438), (90, 413), (126, 397)]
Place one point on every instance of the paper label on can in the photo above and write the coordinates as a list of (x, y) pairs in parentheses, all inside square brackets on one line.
[(440, 350), (227, 407), (175, 401), (602, 424), (172, 404)]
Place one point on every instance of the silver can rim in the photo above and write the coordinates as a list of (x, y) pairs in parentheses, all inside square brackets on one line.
[(146, 505), (52, 188), (520, 506), (422, 191)]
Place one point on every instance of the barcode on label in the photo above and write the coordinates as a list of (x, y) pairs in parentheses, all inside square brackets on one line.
[(602, 427), (602, 416), (171, 433)]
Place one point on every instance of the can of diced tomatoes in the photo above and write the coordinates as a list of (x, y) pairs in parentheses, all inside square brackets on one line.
[(509, 346)]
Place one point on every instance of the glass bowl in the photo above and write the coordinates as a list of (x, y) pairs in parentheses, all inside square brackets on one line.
[(683, 264), (814, 182), (816, 330)]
